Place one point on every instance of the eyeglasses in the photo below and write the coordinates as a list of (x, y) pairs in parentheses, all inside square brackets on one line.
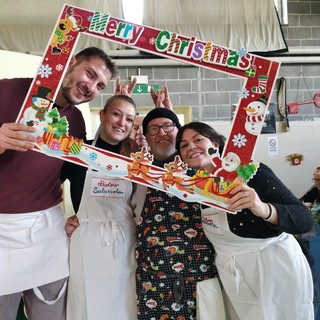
[(166, 127), (315, 180)]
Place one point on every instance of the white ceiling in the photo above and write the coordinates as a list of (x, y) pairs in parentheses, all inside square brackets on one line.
[(26, 26)]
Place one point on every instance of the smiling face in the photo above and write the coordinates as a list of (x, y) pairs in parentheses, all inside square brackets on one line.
[(83, 81), (117, 121), (230, 162), (193, 148), (162, 145), (256, 108), (41, 102), (136, 133)]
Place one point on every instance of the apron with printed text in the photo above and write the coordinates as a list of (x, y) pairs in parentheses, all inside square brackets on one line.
[(33, 250), (102, 262), (263, 278)]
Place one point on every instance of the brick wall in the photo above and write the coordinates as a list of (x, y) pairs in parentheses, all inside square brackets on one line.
[(211, 94), (303, 24)]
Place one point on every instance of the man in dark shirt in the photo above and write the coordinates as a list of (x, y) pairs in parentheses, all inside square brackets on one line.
[(174, 263), (33, 243)]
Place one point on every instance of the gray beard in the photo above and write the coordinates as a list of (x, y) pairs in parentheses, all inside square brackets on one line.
[(162, 154)]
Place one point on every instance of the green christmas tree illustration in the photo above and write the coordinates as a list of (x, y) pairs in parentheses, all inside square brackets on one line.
[(62, 126), (54, 115), (246, 172)]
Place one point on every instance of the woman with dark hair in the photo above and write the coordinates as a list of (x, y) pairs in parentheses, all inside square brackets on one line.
[(206, 131), (263, 270)]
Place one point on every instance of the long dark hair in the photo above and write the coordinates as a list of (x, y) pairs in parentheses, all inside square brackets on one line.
[(203, 129)]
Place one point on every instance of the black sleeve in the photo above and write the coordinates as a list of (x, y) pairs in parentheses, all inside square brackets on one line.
[(76, 175), (294, 216), (313, 195)]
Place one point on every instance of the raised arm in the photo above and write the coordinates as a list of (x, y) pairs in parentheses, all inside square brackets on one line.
[(268, 198), (161, 98), (126, 88)]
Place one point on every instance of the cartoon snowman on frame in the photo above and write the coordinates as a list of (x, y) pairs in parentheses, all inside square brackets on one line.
[(255, 111), (36, 115)]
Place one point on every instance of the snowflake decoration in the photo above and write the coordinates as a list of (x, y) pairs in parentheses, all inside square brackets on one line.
[(239, 140), (152, 41), (109, 167), (59, 67), (93, 156), (44, 71), (38, 82), (242, 52), (243, 93)]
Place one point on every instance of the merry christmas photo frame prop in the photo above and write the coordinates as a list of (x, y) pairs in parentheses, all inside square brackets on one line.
[(210, 188)]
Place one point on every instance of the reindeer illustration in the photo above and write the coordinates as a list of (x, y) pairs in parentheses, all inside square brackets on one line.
[(64, 26), (169, 179), (141, 165)]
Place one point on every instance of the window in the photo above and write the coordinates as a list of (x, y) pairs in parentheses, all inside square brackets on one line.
[(133, 10), (282, 8)]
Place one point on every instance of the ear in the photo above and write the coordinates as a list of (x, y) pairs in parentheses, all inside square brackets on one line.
[(72, 62), (101, 114)]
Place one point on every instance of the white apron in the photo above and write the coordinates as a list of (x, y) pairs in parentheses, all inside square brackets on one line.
[(210, 300), (102, 262), (33, 249), (263, 278)]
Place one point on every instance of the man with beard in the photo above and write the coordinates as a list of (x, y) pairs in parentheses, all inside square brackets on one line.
[(33, 243), (174, 269)]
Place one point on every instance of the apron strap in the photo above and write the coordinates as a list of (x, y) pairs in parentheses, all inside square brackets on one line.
[(111, 231), (179, 287), (231, 265), (40, 296), (43, 215)]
